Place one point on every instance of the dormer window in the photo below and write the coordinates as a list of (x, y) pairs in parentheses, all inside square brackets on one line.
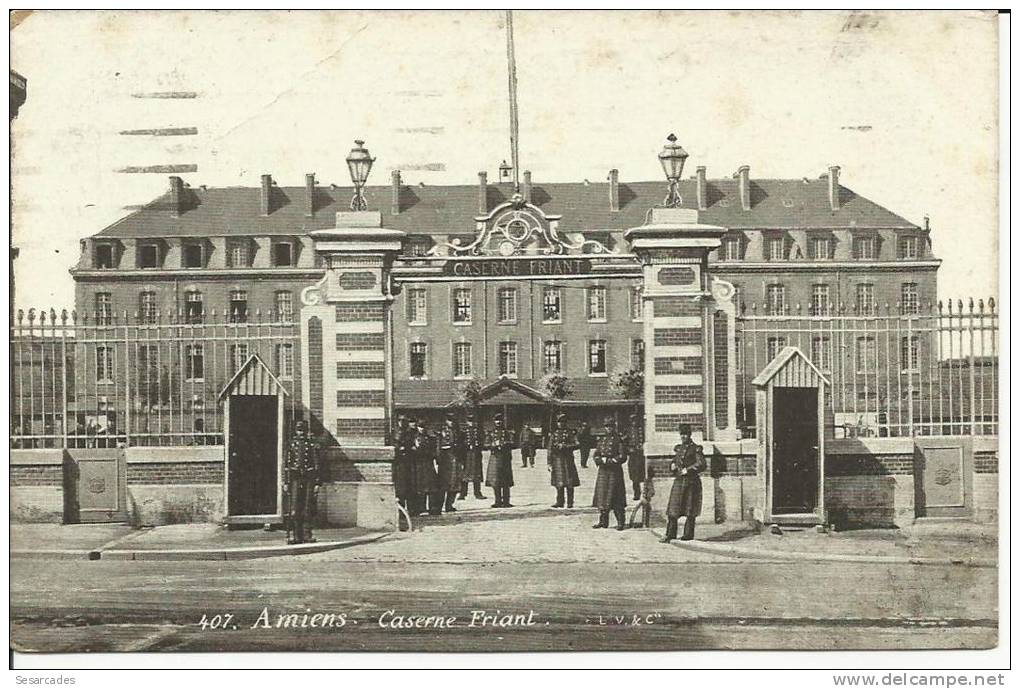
[(104, 256), (283, 254), (731, 248), (820, 248), (865, 248), (775, 248), (239, 253), (192, 255), (909, 247), (149, 255)]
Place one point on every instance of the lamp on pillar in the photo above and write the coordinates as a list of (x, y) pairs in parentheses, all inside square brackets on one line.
[(359, 162), (673, 157)]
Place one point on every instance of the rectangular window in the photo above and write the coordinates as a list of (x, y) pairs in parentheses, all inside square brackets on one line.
[(238, 254), (461, 359), (194, 362), (821, 353), (192, 255), (238, 355), (193, 309), (866, 354), (908, 247), (419, 246), (820, 249), (738, 355), (417, 307), (148, 309), (551, 311), (104, 364), (597, 304), (908, 353), (637, 309), (775, 300), (104, 256), (731, 249), (819, 300), (104, 308), (418, 359), (148, 255), (285, 360), (285, 307), (597, 357), (552, 356), (637, 354), (283, 254), (507, 299), (910, 302), (508, 359), (238, 307), (773, 346), (865, 298), (865, 248), (462, 305), (775, 248), (148, 372)]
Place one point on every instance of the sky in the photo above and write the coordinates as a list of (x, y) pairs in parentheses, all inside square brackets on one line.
[(905, 103)]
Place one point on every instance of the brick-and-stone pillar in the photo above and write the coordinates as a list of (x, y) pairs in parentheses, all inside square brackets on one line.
[(680, 382), (345, 339)]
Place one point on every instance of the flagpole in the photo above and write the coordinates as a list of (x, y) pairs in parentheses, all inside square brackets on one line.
[(512, 77)]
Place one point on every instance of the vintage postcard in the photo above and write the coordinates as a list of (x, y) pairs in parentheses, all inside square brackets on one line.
[(504, 331)]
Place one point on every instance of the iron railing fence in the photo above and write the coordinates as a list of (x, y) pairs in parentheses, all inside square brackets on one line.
[(894, 371), (100, 380)]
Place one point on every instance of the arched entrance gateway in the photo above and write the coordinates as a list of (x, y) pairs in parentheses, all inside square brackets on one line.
[(527, 311)]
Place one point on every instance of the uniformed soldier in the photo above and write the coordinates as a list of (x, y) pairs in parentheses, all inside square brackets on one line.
[(449, 446), (685, 497), (301, 474), (562, 470), (585, 443), (610, 487), (425, 475), (404, 468), (500, 473), (430, 461), (528, 442), (472, 462), (636, 453)]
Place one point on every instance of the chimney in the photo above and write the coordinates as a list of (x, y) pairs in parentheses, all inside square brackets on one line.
[(834, 187), (614, 189), (395, 193), (702, 188), (743, 173), (176, 196), (310, 194), (267, 187), (483, 194), (526, 186)]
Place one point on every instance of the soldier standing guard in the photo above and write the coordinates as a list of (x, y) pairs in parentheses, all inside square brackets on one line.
[(500, 474), (301, 474), (449, 446), (562, 470), (425, 470), (610, 489), (636, 454), (528, 442), (404, 468), (585, 443), (472, 453), (685, 498)]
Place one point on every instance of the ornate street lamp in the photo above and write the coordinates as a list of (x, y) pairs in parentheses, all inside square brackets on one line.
[(359, 162), (673, 158)]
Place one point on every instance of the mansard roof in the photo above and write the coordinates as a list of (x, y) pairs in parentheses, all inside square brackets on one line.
[(775, 204)]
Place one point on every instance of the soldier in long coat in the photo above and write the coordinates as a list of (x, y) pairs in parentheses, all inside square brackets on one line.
[(585, 443), (301, 473), (610, 487), (528, 442), (471, 454), (636, 453), (426, 479), (685, 497), (448, 452), (404, 467), (562, 470), (500, 473)]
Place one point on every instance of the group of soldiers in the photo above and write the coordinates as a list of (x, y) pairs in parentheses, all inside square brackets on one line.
[(434, 468)]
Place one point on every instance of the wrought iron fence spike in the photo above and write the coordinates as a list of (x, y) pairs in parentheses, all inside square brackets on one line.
[(31, 316), (991, 304), (63, 316)]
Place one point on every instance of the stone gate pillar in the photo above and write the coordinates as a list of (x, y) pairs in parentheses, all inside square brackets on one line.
[(345, 362), (679, 316)]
